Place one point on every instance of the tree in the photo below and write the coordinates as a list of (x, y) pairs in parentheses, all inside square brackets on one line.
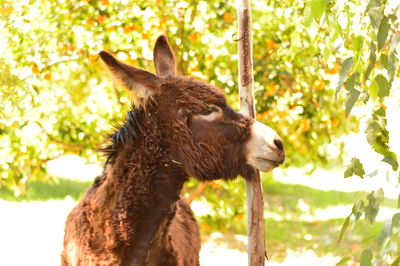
[(255, 202), (364, 38), (371, 83), (57, 101)]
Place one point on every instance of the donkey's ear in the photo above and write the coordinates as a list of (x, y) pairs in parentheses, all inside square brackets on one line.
[(164, 59), (140, 82)]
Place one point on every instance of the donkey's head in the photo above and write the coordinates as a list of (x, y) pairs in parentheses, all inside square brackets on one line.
[(200, 131)]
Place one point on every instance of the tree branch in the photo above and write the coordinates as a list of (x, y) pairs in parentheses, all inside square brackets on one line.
[(69, 146), (255, 203)]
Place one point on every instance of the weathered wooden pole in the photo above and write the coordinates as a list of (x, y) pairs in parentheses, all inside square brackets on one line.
[(255, 203)]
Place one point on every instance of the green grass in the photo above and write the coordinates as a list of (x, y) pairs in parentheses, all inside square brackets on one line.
[(290, 233), (319, 236), (56, 189), (287, 195), (293, 233)]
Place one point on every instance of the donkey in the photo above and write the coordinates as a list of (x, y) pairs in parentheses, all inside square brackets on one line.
[(180, 127)]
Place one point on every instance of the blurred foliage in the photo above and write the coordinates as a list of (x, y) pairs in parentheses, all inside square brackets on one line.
[(57, 97), (367, 35)]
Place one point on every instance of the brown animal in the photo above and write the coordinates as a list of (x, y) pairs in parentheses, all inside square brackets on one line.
[(180, 127)]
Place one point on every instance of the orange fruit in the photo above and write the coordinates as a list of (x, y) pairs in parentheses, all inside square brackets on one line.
[(194, 37), (127, 29), (101, 19), (319, 84), (89, 22), (272, 88), (335, 122), (239, 216), (228, 17), (145, 36), (303, 149), (271, 44), (35, 69), (305, 125), (334, 69), (163, 20), (47, 76), (205, 227), (112, 28)]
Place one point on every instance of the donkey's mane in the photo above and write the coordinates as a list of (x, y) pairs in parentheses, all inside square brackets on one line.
[(125, 133)]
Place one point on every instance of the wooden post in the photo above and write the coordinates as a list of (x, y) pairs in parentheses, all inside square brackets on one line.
[(255, 203)]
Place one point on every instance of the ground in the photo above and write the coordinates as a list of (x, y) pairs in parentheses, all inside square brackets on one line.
[(31, 234), (303, 217)]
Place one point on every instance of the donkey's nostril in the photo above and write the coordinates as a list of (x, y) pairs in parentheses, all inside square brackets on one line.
[(278, 144)]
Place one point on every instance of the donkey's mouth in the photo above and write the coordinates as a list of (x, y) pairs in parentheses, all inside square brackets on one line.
[(264, 149), (265, 164), (271, 162), (276, 162)]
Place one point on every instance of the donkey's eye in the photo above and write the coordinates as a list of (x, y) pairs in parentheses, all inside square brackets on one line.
[(212, 113), (209, 110)]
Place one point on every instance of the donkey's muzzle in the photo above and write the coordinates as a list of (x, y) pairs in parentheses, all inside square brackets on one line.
[(264, 149)]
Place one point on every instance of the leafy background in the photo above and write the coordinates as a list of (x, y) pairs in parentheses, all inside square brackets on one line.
[(314, 61)]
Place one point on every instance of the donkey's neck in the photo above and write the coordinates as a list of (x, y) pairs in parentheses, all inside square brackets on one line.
[(146, 188)]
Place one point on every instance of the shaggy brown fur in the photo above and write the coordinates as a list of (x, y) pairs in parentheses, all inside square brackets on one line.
[(133, 214)]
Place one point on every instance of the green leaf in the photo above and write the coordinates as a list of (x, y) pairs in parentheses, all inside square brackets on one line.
[(348, 172), (372, 60), (351, 99), (383, 60), (314, 9), (378, 137), (396, 220), (335, 33), (384, 86), (357, 43), (374, 201), (364, 97), (326, 53), (343, 260), (346, 66), (359, 169), (398, 202), (373, 90), (352, 94), (375, 12), (391, 158), (396, 262), (392, 65), (357, 210), (366, 258), (373, 173), (345, 226), (383, 31), (355, 168), (350, 82), (379, 195)]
